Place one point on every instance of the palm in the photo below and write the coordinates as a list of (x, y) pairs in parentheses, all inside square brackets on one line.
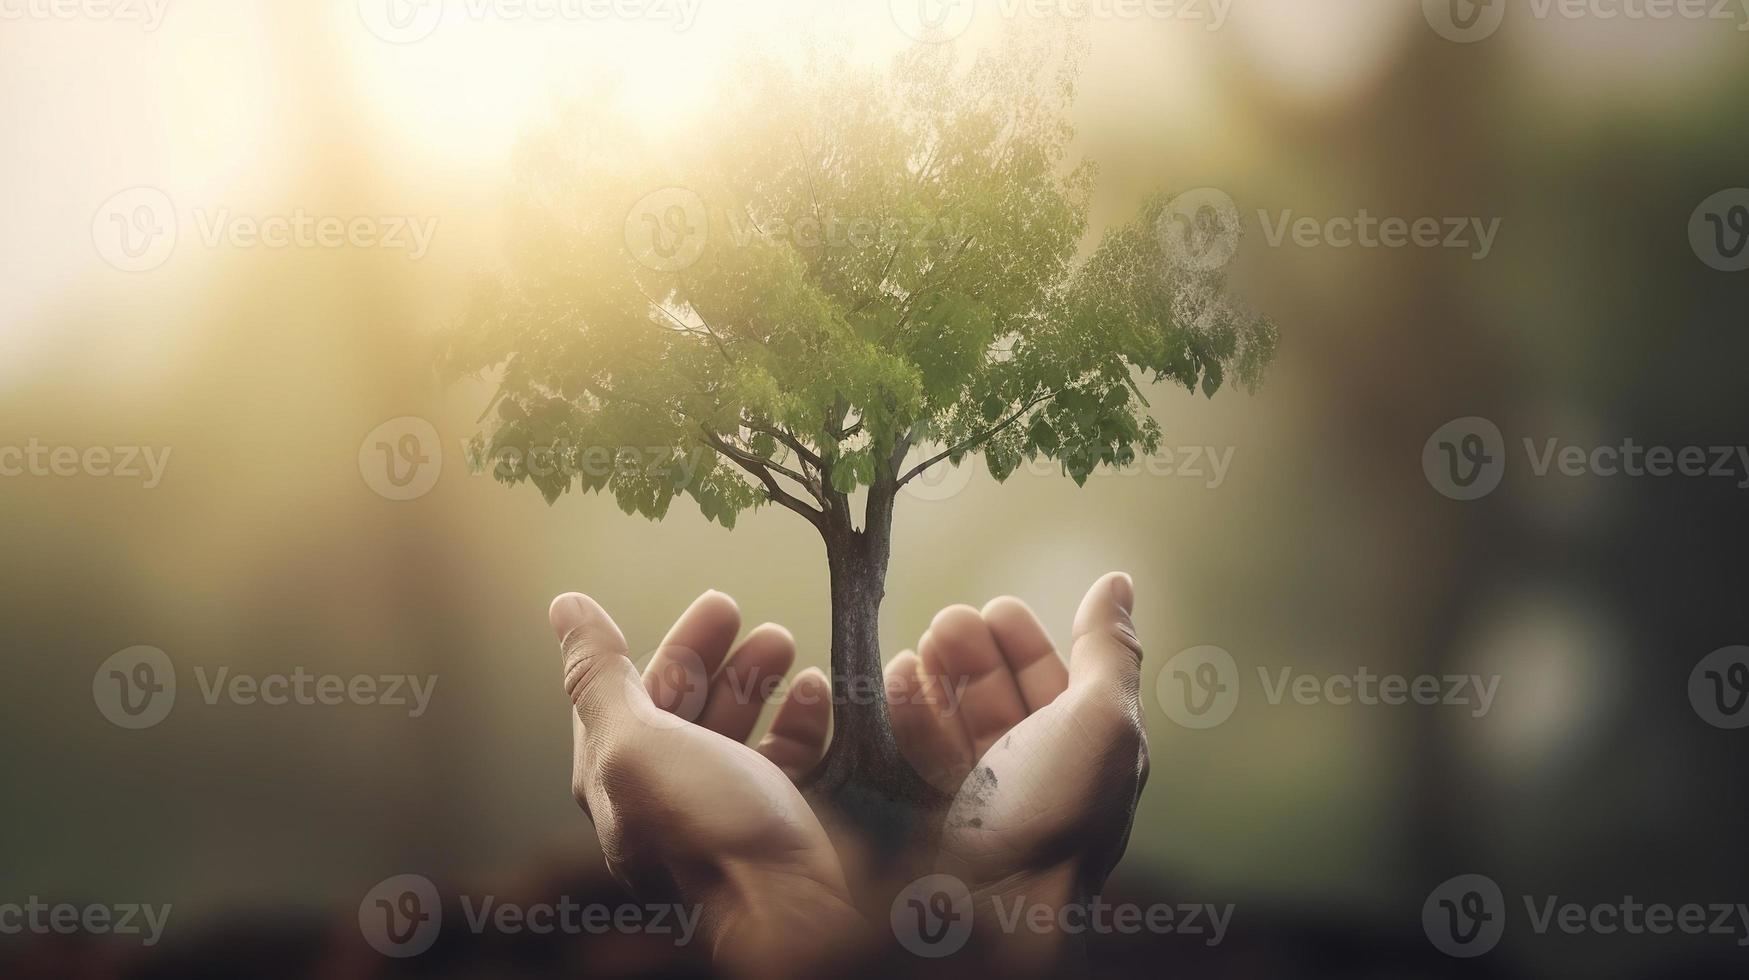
[(1044, 770), (722, 801), (659, 765), (1025, 806)]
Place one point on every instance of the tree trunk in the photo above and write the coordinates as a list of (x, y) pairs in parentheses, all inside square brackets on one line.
[(864, 778)]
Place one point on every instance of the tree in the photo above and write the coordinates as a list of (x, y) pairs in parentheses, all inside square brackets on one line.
[(844, 278)]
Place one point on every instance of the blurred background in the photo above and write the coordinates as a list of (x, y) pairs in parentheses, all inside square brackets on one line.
[(268, 544)]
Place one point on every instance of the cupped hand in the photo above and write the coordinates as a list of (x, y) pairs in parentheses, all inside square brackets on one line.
[(684, 811), (1045, 761)]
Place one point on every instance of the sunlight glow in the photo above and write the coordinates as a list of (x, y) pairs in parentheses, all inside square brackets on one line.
[(1326, 52)]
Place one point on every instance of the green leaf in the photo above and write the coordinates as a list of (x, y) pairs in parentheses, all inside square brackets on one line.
[(928, 306)]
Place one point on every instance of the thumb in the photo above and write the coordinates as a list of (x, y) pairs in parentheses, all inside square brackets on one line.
[(603, 685), (1104, 650)]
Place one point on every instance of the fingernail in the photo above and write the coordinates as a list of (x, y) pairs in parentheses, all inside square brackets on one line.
[(567, 613), (1123, 589)]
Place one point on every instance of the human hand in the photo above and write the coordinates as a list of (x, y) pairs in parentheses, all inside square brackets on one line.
[(685, 812), (1045, 762), (1059, 752)]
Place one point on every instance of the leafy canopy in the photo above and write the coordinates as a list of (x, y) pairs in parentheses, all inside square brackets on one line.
[(839, 266)]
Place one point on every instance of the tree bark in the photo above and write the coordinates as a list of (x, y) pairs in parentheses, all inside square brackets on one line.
[(864, 777)]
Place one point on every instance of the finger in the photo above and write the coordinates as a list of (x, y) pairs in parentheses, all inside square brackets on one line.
[(944, 695), (796, 741), (939, 754), (1038, 671), (602, 683), (678, 676), (747, 680), (989, 702), (1105, 651)]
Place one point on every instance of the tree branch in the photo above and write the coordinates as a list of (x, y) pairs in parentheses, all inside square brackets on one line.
[(808, 483), (756, 465), (759, 468), (789, 439), (979, 438)]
